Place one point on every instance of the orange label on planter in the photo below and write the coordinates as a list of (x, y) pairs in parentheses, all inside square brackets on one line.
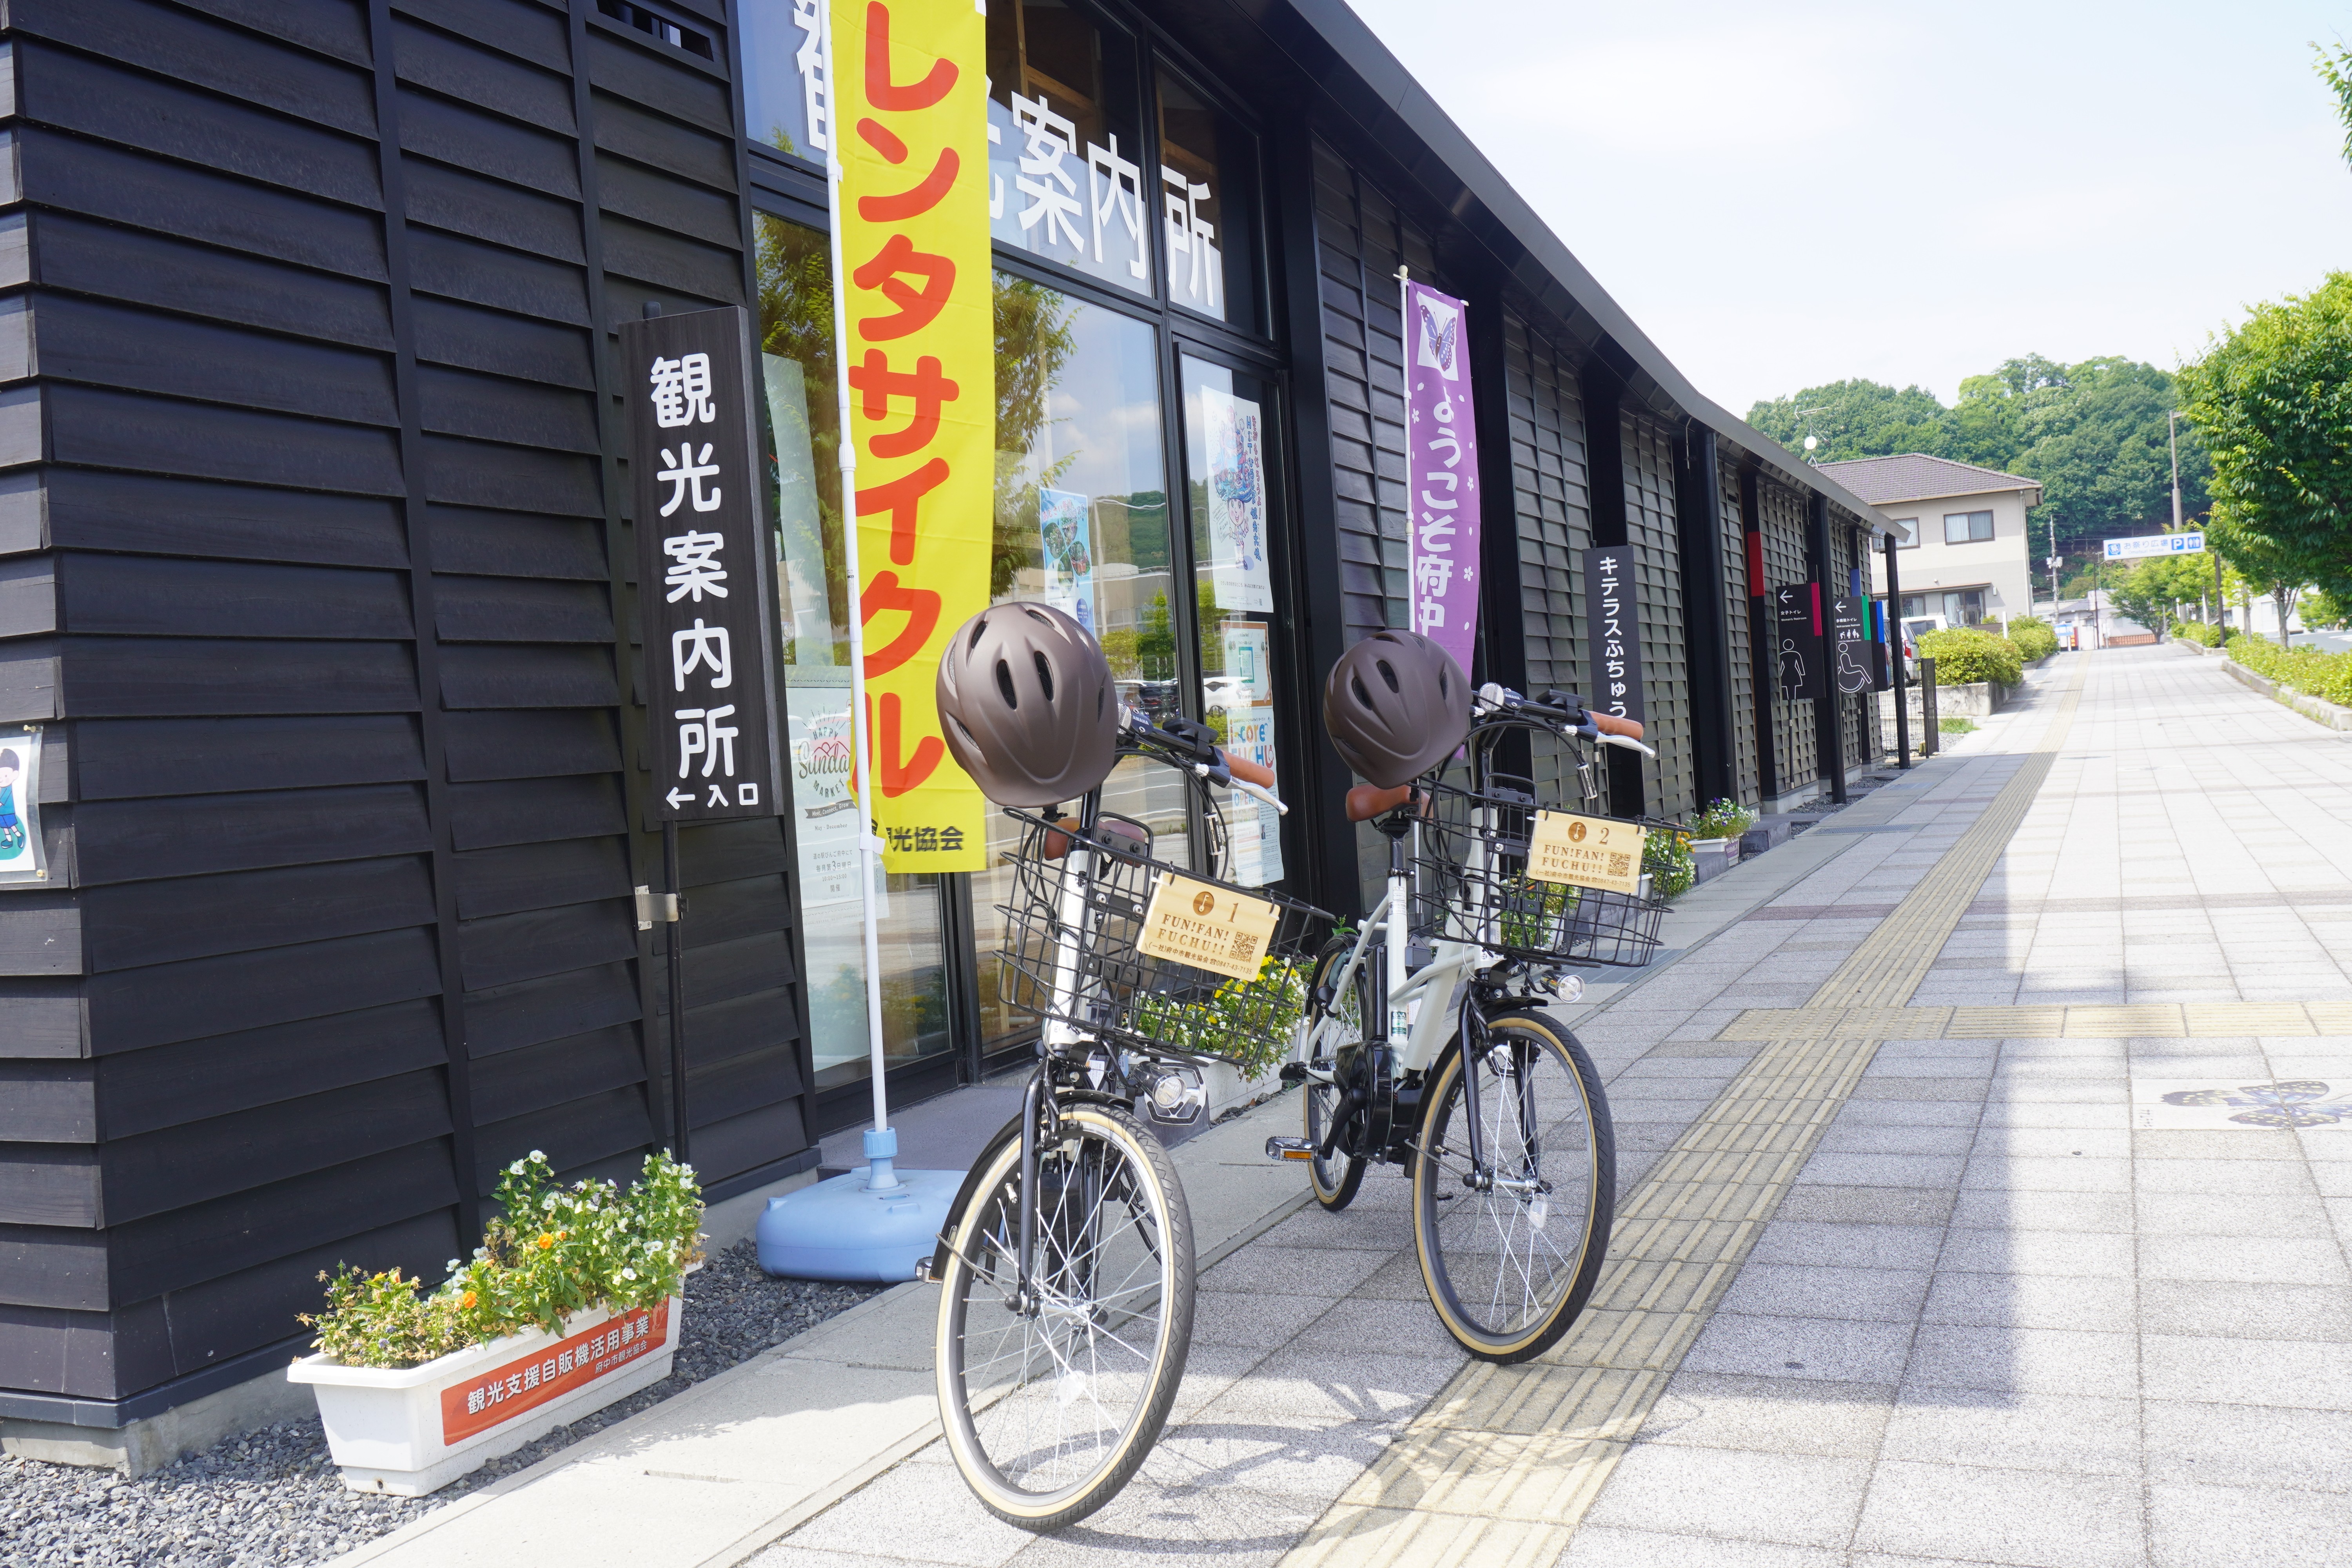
[(493, 1397)]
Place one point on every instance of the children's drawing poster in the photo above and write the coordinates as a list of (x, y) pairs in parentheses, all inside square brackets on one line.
[(21, 859)]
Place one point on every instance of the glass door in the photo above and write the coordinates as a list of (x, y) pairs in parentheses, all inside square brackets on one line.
[(802, 428)]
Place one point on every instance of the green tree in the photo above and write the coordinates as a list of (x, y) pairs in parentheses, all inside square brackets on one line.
[(2335, 67), (2272, 400), (2149, 591), (1856, 419)]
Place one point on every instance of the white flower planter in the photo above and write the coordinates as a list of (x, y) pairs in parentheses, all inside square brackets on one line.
[(1711, 858), (413, 1430), (1226, 1087)]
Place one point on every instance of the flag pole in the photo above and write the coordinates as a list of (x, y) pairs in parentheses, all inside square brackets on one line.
[(869, 846)]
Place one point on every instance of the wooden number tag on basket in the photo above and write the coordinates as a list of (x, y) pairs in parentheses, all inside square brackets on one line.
[(1207, 927), (1586, 852)]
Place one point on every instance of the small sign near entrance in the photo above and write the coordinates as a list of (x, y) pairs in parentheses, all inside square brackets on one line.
[(2189, 543), (1797, 617), (1586, 852), (1613, 627), (1208, 928), (1851, 648), (705, 569)]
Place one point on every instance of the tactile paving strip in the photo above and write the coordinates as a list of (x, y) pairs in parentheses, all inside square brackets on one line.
[(1505, 1461)]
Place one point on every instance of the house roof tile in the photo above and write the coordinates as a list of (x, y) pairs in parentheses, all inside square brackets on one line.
[(1916, 476)]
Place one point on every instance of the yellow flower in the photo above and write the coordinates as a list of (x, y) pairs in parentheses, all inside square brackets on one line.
[(546, 1241), (466, 1299)]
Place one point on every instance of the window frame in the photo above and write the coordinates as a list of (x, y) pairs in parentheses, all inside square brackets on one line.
[(1967, 519)]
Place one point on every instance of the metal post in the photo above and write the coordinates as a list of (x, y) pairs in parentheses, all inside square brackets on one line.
[(1902, 699), (1931, 736), (1828, 741), (675, 934)]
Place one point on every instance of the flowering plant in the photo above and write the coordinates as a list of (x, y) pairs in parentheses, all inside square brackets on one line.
[(1723, 819), (551, 1251), (1247, 1023)]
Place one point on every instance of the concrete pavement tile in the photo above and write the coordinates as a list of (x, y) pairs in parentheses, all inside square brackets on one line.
[(782, 1556), (2060, 1090), (1211, 1527), (2016, 1251), (1386, 1327), (1835, 1168), (2247, 1445), (1312, 1386), (954, 1527), (1222, 1447), (2055, 1143), (2257, 1259), (2253, 1177), (2184, 1143), (1771, 1415), (1854, 1246), (2066, 1432), (2254, 1311), (2232, 1214), (2259, 1527), (2055, 1176), (1997, 1208), (2011, 1114), (1399, 1279), (1836, 1349), (1929, 1067), (2332, 1177), (1383, 1231), (1881, 1205), (1602, 1546), (2037, 1520), (2034, 1302), (1294, 1270), (1775, 1290), (1858, 1120), (1796, 1499), (1252, 1319), (2007, 1360), (2296, 1373), (1961, 1091)]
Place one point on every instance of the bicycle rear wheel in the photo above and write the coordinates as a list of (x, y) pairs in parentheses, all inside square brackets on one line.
[(1335, 1180), (1509, 1262), (1050, 1406)]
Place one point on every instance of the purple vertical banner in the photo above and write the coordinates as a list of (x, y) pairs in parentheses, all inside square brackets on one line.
[(1440, 443)]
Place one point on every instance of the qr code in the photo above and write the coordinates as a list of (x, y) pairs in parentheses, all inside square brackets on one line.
[(1620, 865)]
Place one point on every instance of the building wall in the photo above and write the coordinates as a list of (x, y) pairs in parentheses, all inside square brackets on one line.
[(316, 559), (2004, 562), (1783, 513), (1651, 531), (1742, 633)]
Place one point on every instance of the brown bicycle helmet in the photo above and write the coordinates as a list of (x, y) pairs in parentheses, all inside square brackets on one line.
[(1026, 705), (1396, 706)]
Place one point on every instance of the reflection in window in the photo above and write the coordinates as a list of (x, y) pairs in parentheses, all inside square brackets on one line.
[(1082, 523), (804, 431), (1224, 479), (1207, 195), (784, 103), (1065, 154)]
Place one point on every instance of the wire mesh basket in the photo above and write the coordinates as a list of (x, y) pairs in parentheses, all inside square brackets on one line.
[(1473, 885), (1118, 992)]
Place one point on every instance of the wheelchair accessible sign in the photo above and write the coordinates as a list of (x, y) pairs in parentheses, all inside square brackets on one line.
[(1586, 852)]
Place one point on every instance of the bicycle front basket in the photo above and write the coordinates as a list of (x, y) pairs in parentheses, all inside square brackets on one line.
[(1106, 983), (1475, 886)]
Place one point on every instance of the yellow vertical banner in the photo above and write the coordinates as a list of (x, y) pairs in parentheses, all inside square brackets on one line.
[(910, 113)]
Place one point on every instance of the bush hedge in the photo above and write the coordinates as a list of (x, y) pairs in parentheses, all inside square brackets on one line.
[(2327, 676), (2034, 638), (1965, 656), (2204, 634)]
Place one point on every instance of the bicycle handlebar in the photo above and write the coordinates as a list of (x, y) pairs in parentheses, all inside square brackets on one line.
[(1190, 742)]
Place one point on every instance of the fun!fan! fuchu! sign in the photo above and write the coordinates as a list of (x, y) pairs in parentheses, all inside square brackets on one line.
[(909, 108)]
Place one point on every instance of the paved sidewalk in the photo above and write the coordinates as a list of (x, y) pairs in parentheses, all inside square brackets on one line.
[(1915, 1263)]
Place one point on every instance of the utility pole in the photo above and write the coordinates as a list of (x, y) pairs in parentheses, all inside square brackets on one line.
[(2172, 435)]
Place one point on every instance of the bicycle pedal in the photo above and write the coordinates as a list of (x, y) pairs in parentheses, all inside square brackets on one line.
[(1294, 1074), (1289, 1149)]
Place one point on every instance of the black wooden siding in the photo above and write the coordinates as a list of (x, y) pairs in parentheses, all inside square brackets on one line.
[(1783, 513), (1650, 530), (312, 559), (1741, 636), (1552, 511)]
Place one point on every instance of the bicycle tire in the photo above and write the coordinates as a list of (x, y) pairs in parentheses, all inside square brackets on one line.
[(1335, 1180), (1472, 1244), (988, 1409)]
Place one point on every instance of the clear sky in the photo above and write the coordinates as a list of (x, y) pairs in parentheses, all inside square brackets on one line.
[(1791, 195)]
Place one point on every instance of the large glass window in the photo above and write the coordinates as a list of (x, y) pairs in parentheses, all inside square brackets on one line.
[(804, 431), (1226, 436), (1065, 154), (783, 74), (1082, 523), (1208, 192)]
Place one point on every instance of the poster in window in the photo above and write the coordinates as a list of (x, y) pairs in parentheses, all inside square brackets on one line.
[(21, 858), (1244, 697), (1238, 568), (1066, 542)]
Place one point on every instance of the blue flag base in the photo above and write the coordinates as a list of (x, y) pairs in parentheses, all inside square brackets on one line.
[(874, 1225)]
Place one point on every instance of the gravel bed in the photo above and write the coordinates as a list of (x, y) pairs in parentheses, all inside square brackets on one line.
[(272, 1498)]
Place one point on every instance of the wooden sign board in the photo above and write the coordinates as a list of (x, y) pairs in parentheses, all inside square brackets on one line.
[(1208, 928), (1586, 852)]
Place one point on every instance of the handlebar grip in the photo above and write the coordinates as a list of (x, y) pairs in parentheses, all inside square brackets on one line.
[(1246, 771), (1610, 724)]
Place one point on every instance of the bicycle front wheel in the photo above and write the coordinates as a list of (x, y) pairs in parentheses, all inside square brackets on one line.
[(1052, 1396), (1511, 1253)]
